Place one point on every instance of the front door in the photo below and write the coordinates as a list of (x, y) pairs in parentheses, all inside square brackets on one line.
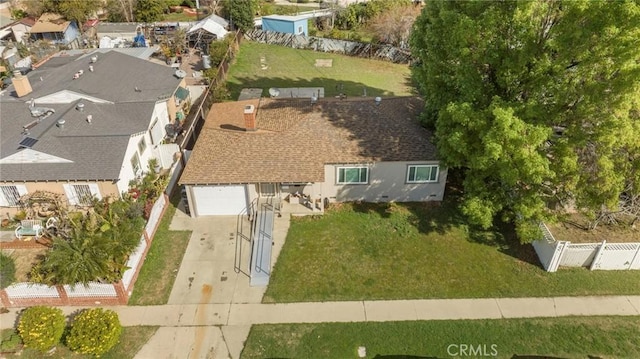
[(268, 189)]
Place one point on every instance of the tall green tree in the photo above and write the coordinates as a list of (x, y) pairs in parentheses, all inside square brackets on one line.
[(149, 10), (78, 10), (240, 13), (537, 102)]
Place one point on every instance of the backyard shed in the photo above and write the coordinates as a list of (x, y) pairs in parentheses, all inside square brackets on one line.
[(297, 25)]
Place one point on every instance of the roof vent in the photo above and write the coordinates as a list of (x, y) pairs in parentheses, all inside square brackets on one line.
[(94, 58), (91, 68), (80, 107), (378, 100), (78, 74), (89, 118), (60, 123)]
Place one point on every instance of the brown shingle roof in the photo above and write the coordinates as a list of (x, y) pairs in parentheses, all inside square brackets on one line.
[(295, 140), (49, 22)]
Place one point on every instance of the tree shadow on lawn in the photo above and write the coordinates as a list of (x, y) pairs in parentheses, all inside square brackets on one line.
[(332, 87)]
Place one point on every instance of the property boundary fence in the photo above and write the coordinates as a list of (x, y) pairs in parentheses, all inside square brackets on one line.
[(28, 294), (596, 256), (352, 48)]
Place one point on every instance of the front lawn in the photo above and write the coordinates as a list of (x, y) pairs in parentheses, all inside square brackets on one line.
[(161, 265), (412, 250), (572, 337), (265, 66)]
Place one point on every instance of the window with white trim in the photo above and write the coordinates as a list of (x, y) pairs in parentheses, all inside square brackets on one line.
[(142, 145), (353, 175), (422, 173), (135, 164), (83, 193), (11, 195)]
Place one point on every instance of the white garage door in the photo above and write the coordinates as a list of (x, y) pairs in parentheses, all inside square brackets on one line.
[(219, 200)]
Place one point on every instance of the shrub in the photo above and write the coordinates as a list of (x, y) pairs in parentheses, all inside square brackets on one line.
[(41, 327), (10, 342), (20, 216), (7, 271), (94, 331)]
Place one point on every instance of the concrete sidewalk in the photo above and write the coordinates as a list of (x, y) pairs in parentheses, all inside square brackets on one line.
[(236, 314)]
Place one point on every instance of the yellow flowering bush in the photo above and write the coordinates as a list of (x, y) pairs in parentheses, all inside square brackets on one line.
[(94, 331), (41, 327)]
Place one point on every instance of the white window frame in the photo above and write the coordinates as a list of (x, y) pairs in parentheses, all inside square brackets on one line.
[(137, 171), (437, 169), (142, 145), (157, 132), (21, 190), (73, 196), (338, 169)]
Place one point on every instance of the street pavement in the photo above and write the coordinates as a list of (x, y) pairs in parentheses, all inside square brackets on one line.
[(211, 307)]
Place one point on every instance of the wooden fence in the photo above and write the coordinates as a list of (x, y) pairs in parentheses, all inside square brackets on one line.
[(351, 48), (596, 256), (28, 294)]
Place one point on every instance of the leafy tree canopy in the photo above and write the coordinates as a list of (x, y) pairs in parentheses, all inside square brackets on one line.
[(537, 101), (240, 12), (150, 10)]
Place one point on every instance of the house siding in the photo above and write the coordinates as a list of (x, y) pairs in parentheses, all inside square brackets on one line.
[(107, 188), (285, 26), (387, 183)]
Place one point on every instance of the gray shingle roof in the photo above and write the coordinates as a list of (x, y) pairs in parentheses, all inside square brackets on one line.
[(97, 149), (115, 78)]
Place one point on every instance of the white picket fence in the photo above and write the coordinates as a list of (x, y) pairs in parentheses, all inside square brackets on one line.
[(602, 256), (32, 291)]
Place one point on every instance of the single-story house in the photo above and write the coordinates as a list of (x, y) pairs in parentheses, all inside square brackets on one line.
[(297, 25), (19, 30), (55, 28), (125, 31), (325, 150), (85, 125)]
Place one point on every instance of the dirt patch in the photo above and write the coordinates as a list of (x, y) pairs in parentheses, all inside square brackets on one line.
[(25, 259), (574, 229), (324, 62)]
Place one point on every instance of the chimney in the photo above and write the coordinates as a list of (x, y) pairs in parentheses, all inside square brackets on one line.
[(21, 84), (250, 118)]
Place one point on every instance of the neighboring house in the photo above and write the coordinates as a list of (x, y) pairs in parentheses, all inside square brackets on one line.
[(331, 151), (17, 30), (109, 34), (54, 28), (297, 25), (85, 125)]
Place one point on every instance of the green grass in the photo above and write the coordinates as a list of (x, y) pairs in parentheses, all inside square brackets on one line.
[(131, 340), (409, 251), (180, 17), (161, 265), (593, 337), (288, 67)]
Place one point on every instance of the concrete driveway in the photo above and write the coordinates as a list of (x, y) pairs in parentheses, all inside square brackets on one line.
[(207, 276)]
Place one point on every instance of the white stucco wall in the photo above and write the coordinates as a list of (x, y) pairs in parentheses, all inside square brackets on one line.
[(387, 182)]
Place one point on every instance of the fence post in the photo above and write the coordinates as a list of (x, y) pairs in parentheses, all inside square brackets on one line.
[(4, 298), (64, 298), (595, 264), (554, 263), (636, 258)]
